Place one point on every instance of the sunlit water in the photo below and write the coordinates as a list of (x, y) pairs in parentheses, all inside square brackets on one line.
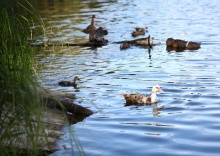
[(186, 119)]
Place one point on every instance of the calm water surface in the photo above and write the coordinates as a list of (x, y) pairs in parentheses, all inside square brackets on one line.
[(186, 119)]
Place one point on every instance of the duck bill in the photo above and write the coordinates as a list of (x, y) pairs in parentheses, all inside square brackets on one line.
[(160, 90)]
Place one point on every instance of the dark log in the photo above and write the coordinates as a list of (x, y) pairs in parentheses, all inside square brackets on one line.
[(146, 42), (63, 101), (96, 42), (141, 41), (67, 105), (85, 44)]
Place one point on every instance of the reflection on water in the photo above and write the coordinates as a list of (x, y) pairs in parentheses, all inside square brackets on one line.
[(185, 121)]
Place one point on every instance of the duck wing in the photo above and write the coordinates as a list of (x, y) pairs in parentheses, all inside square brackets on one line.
[(136, 99), (65, 83), (87, 30)]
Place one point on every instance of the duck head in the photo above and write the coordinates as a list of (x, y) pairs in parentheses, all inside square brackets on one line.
[(156, 88), (93, 16), (169, 42), (75, 78)]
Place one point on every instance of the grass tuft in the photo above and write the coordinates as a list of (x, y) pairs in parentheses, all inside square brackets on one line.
[(19, 101)]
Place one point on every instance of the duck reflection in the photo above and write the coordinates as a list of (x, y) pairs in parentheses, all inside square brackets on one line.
[(156, 110), (149, 52)]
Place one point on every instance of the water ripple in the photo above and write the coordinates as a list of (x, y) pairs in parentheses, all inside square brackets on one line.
[(184, 121)]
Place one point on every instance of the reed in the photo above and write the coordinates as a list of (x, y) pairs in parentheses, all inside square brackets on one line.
[(19, 101)]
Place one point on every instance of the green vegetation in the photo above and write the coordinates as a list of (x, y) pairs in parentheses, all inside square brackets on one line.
[(19, 102)]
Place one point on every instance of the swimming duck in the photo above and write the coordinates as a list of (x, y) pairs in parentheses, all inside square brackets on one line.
[(91, 27), (140, 99), (138, 31), (193, 45), (177, 43), (68, 83)]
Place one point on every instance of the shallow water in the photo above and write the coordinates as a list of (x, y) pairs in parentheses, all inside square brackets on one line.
[(185, 120)]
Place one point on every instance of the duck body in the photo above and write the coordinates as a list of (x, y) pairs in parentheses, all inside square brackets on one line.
[(98, 35), (66, 83), (141, 99), (136, 99), (69, 83), (179, 43)]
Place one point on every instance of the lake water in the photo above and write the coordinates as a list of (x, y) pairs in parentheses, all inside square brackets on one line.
[(185, 120)]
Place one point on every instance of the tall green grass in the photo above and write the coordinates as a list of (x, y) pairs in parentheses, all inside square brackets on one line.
[(19, 101)]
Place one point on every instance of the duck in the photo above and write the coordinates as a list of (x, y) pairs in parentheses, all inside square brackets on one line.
[(102, 31), (91, 27), (177, 43), (124, 45), (193, 45), (69, 83), (98, 35), (138, 31), (141, 99)]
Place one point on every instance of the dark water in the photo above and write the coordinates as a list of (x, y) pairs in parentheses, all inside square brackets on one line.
[(186, 119)]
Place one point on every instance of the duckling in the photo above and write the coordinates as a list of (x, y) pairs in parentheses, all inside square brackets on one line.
[(91, 27), (102, 31), (68, 83), (138, 31), (193, 45), (124, 45), (141, 99), (98, 35)]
